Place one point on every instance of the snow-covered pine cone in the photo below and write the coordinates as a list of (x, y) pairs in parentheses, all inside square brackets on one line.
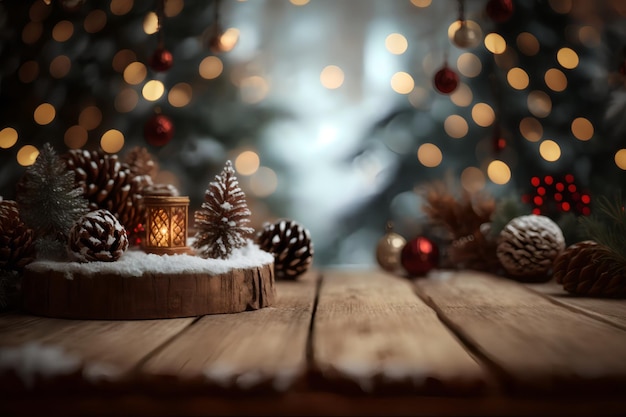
[(97, 236), (586, 268), (528, 245), (291, 245), (16, 240), (109, 184)]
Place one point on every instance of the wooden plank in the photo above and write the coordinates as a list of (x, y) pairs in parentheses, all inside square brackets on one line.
[(263, 348), (35, 348), (610, 310), (371, 332), (534, 344)]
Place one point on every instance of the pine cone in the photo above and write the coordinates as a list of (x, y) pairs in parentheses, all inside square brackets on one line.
[(109, 184), (587, 268), (16, 240), (528, 245), (291, 245), (141, 162), (97, 236)]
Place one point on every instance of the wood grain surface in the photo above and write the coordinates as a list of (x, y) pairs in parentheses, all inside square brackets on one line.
[(150, 296), (372, 331), (532, 343)]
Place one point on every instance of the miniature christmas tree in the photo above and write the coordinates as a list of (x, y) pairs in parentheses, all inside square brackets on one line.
[(49, 202), (221, 220)]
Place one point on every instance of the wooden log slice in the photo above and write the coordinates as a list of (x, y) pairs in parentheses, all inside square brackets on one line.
[(76, 293)]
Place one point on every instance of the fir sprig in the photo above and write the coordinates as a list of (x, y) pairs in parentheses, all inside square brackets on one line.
[(608, 227)]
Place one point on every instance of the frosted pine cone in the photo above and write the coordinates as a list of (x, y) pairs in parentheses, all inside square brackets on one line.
[(587, 268), (16, 240), (291, 245), (528, 245), (97, 236), (109, 184)]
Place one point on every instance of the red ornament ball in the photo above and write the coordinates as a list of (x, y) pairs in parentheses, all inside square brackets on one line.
[(161, 60), (419, 256), (446, 80), (499, 10), (158, 130)]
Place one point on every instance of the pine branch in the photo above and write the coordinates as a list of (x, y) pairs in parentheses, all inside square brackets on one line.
[(221, 220), (608, 227), (48, 200)]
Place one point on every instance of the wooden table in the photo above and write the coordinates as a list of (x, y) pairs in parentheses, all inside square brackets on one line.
[(337, 342)]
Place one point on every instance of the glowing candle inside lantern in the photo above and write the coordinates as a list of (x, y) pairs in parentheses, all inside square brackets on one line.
[(166, 224)]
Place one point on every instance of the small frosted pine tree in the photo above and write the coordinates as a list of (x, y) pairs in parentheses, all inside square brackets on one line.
[(221, 220), (49, 202)]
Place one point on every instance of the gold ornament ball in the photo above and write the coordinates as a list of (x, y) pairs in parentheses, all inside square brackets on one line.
[(388, 251)]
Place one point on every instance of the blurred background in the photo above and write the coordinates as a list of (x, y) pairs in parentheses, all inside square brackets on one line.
[(329, 109)]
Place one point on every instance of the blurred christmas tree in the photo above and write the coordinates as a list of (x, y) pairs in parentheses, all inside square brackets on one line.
[(327, 108)]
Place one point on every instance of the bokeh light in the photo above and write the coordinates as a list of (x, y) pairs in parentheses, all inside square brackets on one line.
[(483, 114), (122, 59), (531, 129), (567, 58), (112, 141), (60, 66), (582, 128), (27, 155), (90, 117), (539, 104), (455, 126), (95, 21), (620, 159), (28, 72), (210, 67), (247, 163), (153, 90), (299, 2), (469, 65), (396, 43), (517, 78), (254, 89), (44, 114), (462, 96), (473, 179), (263, 182), (528, 44), (32, 32), (180, 95), (8, 137), (62, 31), (173, 7), (421, 3), (126, 100), (75, 137), (498, 172), (402, 82), (122, 7), (555, 80), (429, 155), (332, 77), (550, 150), (495, 43), (135, 73), (151, 23)]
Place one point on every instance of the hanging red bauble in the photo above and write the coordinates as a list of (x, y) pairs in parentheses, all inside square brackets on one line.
[(161, 60), (499, 10), (158, 130), (419, 256), (446, 80)]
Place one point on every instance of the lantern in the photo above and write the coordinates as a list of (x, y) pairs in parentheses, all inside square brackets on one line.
[(166, 224)]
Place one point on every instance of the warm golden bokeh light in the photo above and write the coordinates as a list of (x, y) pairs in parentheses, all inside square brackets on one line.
[(567, 58), (539, 103), (62, 31), (620, 159), (456, 25), (75, 137), (135, 73), (472, 179), (153, 90), (90, 117), (60, 66), (550, 150), (8, 137), (299, 2), (498, 172), (402, 82), (455, 126), (44, 114), (396, 43), (122, 59), (421, 3), (469, 65), (561, 6), (95, 21), (589, 36), (112, 141), (429, 155), (517, 78), (495, 43), (32, 32), (527, 44), (332, 77), (27, 155), (180, 95), (555, 80), (173, 7), (247, 163), (151, 23), (462, 96), (122, 7), (483, 114), (126, 100), (28, 72), (582, 128), (263, 182), (254, 89), (229, 39), (210, 67), (531, 129)]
